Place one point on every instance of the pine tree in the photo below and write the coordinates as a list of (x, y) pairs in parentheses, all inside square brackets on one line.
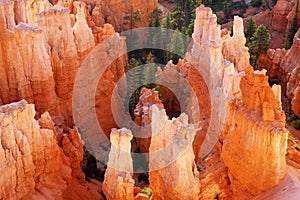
[(168, 23), (260, 42), (132, 17), (250, 29), (155, 18), (134, 81), (149, 71), (176, 45), (287, 40)]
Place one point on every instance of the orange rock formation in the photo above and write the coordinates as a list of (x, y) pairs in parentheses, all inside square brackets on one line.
[(34, 166), (118, 183), (247, 101), (283, 65), (171, 157), (142, 114)]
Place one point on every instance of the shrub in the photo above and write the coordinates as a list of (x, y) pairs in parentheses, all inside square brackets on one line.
[(147, 191), (296, 124)]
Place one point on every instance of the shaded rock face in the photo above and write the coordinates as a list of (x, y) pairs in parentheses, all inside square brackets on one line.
[(34, 166), (271, 62), (114, 11), (142, 114), (120, 9), (280, 12), (291, 62), (283, 65)]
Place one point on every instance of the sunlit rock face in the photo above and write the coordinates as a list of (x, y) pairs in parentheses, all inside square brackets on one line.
[(257, 125), (42, 54), (26, 71), (196, 106), (249, 111), (34, 166), (171, 157), (118, 183)]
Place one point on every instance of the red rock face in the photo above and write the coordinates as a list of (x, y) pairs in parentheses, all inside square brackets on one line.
[(50, 70), (199, 87), (114, 11), (293, 90), (280, 13), (271, 62), (291, 62), (120, 9), (108, 81), (142, 114), (283, 65)]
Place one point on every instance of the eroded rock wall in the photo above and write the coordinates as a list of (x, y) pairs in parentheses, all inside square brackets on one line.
[(257, 123), (252, 119), (283, 65), (39, 63), (34, 166)]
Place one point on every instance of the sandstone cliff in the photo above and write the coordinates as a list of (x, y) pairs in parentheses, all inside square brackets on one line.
[(34, 166)]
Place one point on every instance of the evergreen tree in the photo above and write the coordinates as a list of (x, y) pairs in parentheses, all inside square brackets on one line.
[(134, 81), (177, 44), (132, 17), (149, 72), (168, 23), (288, 39), (134, 74), (250, 29), (155, 18), (260, 42)]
